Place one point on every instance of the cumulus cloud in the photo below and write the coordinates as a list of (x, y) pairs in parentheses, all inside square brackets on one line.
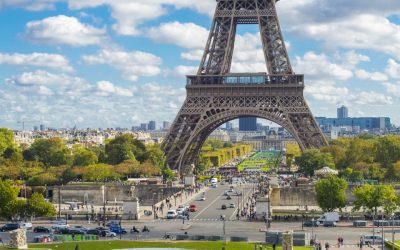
[(54, 61), (106, 88), (41, 77), (132, 64), (30, 5), (185, 35), (129, 15), (64, 30), (319, 66), (183, 70), (393, 69), (372, 76)]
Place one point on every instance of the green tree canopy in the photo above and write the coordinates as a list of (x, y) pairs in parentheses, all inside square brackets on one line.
[(125, 147), (312, 159), (99, 172), (331, 193), (156, 155), (370, 197), (38, 206), (51, 152), (6, 139), (84, 157), (8, 199)]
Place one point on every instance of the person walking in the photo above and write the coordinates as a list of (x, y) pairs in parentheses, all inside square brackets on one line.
[(326, 246)]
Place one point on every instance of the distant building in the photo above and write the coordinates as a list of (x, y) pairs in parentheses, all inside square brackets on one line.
[(228, 126), (166, 125), (42, 127), (143, 126), (248, 124), (360, 123), (342, 112), (35, 128), (152, 125)]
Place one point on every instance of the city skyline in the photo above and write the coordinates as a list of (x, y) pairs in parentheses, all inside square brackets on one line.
[(107, 64)]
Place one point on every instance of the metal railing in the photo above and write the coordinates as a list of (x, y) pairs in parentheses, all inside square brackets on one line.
[(245, 79)]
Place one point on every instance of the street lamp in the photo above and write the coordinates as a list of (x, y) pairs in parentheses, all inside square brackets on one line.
[(312, 229), (223, 227), (392, 232), (104, 202)]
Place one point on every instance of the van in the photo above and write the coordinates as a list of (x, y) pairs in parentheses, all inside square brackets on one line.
[(330, 216), (213, 180), (372, 239), (171, 214)]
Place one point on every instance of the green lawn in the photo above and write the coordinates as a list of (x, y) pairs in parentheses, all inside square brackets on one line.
[(264, 160), (116, 244)]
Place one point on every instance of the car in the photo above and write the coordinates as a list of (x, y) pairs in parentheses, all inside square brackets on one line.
[(222, 183), (214, 185), (75, 231), (372, 239), (26, 225), (193, 208), (226, 193), (203, 198), (82, 228), (94, 232), (113, 222), (223, 206), (41, 229), (108, 233), (118, 229), (310, 223), (63, 230), (329, 224), (232, 205), (228, 197), (179, 211), (171, 214), (59, 226), (9, 227)]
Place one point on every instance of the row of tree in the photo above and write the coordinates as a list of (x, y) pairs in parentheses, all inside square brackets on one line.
[(331, 195), (364, 157), (50, 161), (12, 208)]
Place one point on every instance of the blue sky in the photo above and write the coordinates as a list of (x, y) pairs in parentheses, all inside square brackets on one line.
[(108, 63)]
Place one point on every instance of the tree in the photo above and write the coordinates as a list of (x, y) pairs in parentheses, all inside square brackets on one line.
[(371, 197), (148, 169), (156, 155), (123, 148), (99, 172), (84, 157), (292, 151), (6, 139), (51, 152), (167, 173), (312, 159), (8, 199), (331, 193), (38, 206)]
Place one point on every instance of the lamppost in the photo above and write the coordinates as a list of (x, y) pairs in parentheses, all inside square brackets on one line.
[(104, 202), (223, 227), (373, 229), (392, 232), (383, 239), (59, 198), (312, 229)]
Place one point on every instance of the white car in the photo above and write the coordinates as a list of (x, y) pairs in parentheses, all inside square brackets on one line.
[(108, 233), (203, 198), (171, 214), (372, 239), (26, 225)]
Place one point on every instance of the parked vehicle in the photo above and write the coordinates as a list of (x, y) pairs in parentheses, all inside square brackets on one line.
[(223, 206), (108, 233), (228, 197), (9, 227), (94, 232), (203, 198), (82, 228), (74, 231), (193, 208), (330, 216), (232, 205), (372, 239), (329, 224), (26, 225), (171, 214), (310, 223), (118, 229), (41, 229), (112, 222)]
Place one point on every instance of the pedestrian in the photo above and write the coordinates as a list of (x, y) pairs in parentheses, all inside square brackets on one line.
[(361, 242), (341, 241), (326, 246)]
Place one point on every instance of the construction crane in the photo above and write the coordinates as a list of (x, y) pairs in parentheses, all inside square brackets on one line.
[(23, 122)]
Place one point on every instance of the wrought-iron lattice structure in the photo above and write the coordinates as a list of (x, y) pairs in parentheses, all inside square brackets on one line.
[(215, 96)]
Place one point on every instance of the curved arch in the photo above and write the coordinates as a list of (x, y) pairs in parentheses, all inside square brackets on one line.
[(208, 125)]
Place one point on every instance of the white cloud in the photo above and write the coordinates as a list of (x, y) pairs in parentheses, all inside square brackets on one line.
[(371, 76), (185, 35), (393, 69), (193, 55), (326, 91), (43, 90), (106, 88), (41, 77), (319, 66), (131, 64), (129, 15), (54, 61), (31, 5), (393, 89), (371, 98), (183, 70), (64, 30)]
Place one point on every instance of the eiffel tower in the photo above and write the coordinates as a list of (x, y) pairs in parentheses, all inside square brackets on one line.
[(216, 96)]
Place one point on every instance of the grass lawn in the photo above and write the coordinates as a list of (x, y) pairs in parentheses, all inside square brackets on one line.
[(116, 244), (264, 160)]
